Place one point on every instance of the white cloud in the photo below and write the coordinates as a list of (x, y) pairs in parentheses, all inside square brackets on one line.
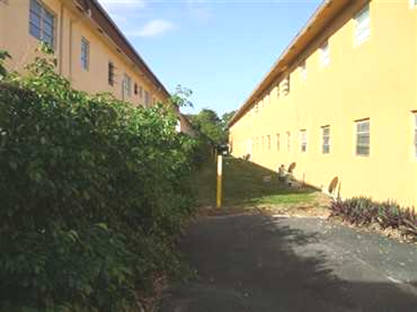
[(153, 28)]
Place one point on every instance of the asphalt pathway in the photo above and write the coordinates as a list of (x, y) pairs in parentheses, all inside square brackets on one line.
[(261, 263)]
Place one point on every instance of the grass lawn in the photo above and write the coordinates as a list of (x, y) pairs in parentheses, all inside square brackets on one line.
[(247, 185)]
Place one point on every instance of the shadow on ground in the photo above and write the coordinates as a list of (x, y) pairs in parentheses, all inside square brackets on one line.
[(259, 263)]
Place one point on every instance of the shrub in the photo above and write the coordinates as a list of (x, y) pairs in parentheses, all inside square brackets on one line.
[(93, 193), (388, 215)]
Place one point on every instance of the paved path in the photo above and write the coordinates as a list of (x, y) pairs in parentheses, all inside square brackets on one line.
[(259, 263)]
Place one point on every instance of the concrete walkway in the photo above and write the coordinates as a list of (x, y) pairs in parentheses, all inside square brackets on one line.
[(259, 263)]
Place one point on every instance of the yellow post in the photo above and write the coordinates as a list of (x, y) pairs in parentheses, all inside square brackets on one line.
[(219, 180)]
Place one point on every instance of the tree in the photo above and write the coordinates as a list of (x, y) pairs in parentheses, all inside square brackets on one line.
[(210, 124), (225, 123), (226, 117)]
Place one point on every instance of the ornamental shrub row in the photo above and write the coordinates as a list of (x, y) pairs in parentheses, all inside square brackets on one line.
[(363, 211), (93, 192)]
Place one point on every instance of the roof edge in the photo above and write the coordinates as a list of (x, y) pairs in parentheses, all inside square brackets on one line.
[(136, 59), (279, 66)]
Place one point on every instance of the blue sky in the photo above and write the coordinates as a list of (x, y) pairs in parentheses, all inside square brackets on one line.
[(218, 49)]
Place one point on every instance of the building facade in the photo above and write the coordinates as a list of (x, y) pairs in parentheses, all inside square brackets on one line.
[(341, 103), (90, 49)]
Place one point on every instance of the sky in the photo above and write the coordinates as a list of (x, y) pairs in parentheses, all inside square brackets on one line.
[(219, 49)]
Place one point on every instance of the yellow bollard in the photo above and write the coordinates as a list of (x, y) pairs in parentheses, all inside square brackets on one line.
[(219, 180)]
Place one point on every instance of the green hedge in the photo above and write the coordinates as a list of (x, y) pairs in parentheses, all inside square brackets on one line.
[(92, 190)]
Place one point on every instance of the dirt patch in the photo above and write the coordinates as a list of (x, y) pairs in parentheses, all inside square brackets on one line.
[(210, 211), (319, 207)]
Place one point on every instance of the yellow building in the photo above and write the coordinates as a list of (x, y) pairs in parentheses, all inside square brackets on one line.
[(91, 50), (341, 102)]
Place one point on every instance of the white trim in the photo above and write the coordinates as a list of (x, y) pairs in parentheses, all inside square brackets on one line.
[(363, 24), (325, 54)]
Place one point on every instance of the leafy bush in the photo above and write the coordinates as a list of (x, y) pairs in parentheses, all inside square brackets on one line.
[(93, 192), (363, 211)]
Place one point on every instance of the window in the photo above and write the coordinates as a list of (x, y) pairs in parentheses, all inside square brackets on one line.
[(278, 143), (362, 25), (303, 139), (127, 87), (303, 70), (363, 137), (285, 86), (325, 54), (269, 142), (41, 23), (415, 134), (135, 88), (147, 99), (85, 54), (289, 141), (263, 143), (325, 139), (111, 75)]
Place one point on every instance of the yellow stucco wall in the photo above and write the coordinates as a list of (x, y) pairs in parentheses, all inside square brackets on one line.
[(15, 38), (375, 80)]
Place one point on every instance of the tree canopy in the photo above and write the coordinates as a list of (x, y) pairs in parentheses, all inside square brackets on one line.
[(211, 125)]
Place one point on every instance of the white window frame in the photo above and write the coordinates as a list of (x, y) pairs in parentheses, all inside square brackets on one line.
[(363, 27), (325, 54), (285, 86), (147, 99), (303, 141), (43, 34), (85, 54), (126, 87), (361, 134), (325, 140)]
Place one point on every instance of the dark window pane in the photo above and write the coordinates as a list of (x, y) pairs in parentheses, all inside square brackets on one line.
[(48, 19), (35, 6), (48, 29), (35, 31), (49, 40), (35, 19)]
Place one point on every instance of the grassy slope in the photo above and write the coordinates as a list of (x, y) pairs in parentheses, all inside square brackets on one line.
[(244, 186)]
